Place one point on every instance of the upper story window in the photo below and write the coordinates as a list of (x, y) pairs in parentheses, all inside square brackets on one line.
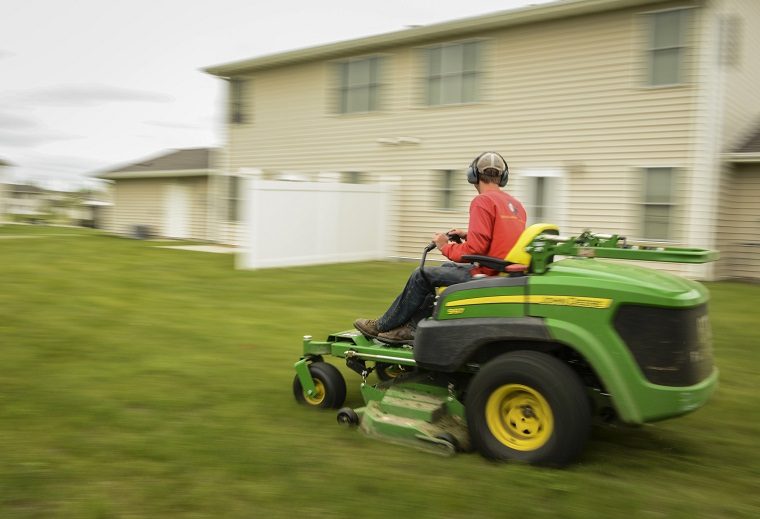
[(658, 203), (452, 73), (237, 106), (359, 85), (667, 47), (730, 39)]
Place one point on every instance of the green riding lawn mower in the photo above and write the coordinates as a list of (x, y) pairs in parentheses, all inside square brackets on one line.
[(518, 366)]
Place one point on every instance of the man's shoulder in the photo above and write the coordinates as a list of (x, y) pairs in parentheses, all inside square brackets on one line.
[(493, 197)]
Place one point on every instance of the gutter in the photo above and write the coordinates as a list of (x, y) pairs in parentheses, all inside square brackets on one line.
[(483, 23), (742, 158)]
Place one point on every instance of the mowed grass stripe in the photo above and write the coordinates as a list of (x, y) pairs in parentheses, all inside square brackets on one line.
[(146, 382)]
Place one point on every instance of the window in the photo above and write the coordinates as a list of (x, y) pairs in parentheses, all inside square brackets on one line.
[(667, 47), (658, 203), (447, 190), (359, 85), (541, 196), (452, 73), (730, 39), (234, 199), (352, 177), (237, 107)]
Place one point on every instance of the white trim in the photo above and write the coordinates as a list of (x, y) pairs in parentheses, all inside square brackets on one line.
[(702, 214), (560, 195)]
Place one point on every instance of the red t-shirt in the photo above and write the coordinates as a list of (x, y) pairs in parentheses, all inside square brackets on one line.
[(496, 221)]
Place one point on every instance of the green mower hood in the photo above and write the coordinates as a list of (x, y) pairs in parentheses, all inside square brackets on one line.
[(605, 278)]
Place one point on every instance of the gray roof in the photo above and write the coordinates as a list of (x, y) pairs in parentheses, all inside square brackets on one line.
[(748, 151), (174, 163), (428, 33), (751, 144), (24, 188)]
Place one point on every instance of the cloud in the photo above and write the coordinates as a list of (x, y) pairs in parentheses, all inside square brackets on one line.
[(16, 122), (88, 95), (171, 125), (11, 138), (4, 54)]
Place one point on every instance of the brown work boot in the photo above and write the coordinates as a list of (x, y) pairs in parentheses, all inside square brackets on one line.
[(368, 327), (401, 335)]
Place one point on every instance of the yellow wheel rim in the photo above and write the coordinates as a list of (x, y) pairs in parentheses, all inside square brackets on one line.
[(519, 417), (393, 371), (319, 394)]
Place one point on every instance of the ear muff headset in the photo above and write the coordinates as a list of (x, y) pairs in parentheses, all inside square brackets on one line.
[(473, 174)]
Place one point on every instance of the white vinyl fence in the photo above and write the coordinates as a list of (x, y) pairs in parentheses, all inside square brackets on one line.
[(307, 223)]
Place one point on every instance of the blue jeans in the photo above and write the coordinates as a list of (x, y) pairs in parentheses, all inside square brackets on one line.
[(415, 301)]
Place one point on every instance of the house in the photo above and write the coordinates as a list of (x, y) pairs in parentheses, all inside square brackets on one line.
[(4, 166), (177, 194), (621, 116), (27, 203), (739, 227)]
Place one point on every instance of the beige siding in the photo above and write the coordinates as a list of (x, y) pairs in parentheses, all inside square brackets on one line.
[(142, 201), (567, 94), (742, 102), (740, 224)]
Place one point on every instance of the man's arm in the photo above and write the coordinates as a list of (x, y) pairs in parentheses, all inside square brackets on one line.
[(479, 233)]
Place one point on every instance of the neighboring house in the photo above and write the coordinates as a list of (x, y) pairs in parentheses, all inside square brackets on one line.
[(614, 115), (4, 166), (174, 195), (27, 203), (739, 229)]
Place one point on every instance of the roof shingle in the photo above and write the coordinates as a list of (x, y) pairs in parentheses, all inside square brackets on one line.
[(192, 159)]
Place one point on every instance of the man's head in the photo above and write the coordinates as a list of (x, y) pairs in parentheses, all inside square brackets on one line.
[(488, 168)]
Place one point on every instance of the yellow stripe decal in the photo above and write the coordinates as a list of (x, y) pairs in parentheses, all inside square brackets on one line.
[(583, 302)]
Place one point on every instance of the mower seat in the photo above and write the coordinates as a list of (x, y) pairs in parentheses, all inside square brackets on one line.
[(517, 259)]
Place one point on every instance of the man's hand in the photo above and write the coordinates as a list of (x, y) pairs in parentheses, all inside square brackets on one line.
[(459, 232), (440, 239)]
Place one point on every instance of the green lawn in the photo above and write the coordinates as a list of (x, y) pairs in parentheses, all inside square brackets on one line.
[(146, 382)]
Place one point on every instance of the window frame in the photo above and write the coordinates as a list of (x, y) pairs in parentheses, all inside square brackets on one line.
[(233, 198), (447, 190), (671, 204), (238, 87), (436, 73), (373, 86), (553, 194), (652, 49)]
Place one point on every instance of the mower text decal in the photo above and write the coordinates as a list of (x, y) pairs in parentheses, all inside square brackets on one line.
[(583, 302)]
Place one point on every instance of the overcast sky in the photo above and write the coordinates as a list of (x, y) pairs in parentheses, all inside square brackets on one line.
[(90, 84)]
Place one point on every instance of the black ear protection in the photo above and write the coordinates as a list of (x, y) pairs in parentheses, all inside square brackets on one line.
[(473, 174)]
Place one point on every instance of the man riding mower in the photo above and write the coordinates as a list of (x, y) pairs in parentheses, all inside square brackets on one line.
[(517, 365)]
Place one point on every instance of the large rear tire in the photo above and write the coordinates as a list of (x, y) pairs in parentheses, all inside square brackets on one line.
[(330, 387), (528, 406)]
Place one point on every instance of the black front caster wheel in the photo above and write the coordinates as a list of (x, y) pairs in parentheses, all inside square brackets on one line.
[(348, 417)]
